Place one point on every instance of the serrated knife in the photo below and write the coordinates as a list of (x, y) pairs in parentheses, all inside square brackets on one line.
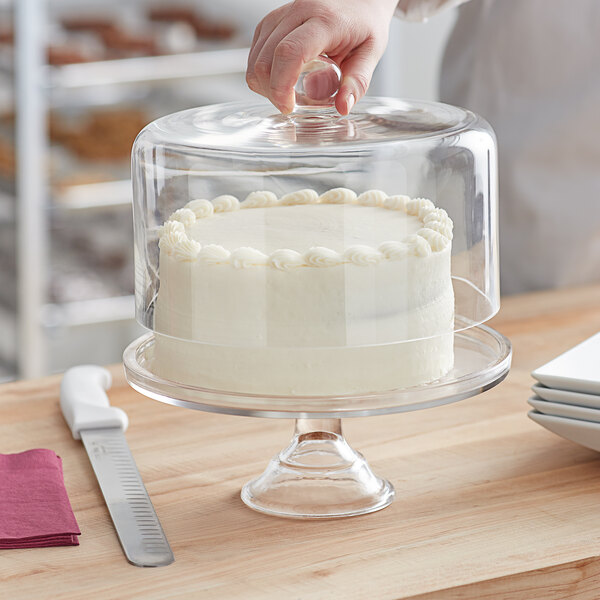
[(101, 427)]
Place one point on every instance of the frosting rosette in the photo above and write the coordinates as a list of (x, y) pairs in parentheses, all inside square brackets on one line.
[(433, 234)]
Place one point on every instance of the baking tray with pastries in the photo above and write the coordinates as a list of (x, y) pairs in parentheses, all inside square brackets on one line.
[(91, 256), (102, 134), (87, 144), (93, 145), (112, 31)]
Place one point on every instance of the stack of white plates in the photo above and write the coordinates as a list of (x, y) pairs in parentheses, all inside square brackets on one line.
[(567, 395)]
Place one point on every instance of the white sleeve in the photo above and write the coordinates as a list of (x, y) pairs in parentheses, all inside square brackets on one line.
[(420, 10)]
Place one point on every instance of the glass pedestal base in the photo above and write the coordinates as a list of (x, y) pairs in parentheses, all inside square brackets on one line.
[(318, 476)]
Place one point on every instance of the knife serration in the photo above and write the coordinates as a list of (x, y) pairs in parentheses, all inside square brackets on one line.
[(140, 533)]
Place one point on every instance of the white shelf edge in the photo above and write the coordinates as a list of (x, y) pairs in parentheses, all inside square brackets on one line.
[(141, 69), (104, 194), (148, 68), (88, 312)]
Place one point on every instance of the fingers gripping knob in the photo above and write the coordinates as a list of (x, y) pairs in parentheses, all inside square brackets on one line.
[(318, 83)]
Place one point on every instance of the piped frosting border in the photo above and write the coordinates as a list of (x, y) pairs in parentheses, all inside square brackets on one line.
[(434, 236)]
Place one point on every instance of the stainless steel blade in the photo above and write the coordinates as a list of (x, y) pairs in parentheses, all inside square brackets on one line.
[(140, 533)]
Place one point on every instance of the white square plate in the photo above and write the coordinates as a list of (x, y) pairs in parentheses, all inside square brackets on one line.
[(584, 433), (566, 397), (577, 370), (568, 411)]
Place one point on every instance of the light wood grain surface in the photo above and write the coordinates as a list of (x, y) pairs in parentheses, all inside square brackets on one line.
[(489, 505)]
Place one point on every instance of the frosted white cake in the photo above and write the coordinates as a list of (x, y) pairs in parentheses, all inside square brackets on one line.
[(305, 294)]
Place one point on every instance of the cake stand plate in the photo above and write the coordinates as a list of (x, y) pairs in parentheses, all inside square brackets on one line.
[(319, 475)]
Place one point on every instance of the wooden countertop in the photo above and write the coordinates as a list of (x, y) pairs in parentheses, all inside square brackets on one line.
[(489, 504)]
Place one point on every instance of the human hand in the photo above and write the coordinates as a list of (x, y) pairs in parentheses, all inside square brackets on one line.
[(353, 33)]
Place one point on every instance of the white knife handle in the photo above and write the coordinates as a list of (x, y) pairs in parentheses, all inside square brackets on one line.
[(84, 402)]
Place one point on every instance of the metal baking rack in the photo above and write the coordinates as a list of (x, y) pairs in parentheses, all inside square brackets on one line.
[(43, 327)]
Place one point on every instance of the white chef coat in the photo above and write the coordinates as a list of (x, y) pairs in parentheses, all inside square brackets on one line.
[(532, 69)]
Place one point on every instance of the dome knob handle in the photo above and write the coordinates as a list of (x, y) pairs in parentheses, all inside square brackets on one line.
[(318, 84)]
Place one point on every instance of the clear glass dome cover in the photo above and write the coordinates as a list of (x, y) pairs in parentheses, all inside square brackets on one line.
[(314, 254)]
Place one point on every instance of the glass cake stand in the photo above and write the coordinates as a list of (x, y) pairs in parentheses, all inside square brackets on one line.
[(319, 475)]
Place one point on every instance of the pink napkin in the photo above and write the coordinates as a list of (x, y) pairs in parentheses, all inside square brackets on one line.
[(35, 511)]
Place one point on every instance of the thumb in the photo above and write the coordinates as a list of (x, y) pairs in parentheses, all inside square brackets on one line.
[(357, 71)]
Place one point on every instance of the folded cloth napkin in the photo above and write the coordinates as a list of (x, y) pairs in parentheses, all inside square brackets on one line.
[(35, 511)]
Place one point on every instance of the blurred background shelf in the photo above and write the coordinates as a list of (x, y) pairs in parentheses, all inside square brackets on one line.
[(80, 78), (139, 69), (105, 194), (88, 312), (149, 69)]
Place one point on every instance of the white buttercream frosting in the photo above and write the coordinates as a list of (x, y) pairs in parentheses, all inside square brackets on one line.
[(433, 233), (172, 227), (226, 203), (247, 257), (436, 240), (338, 196), (443, 227), (322, 257), (372, 198), (394, 250), (201, 208), (184, 216), (172, 234), (363, 255), (300, 197), (306, 294), (398, 202), (187, 250), (259, 200), (418, 245), (286, 259), (214, 254), (419, 207), (435, 214)]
